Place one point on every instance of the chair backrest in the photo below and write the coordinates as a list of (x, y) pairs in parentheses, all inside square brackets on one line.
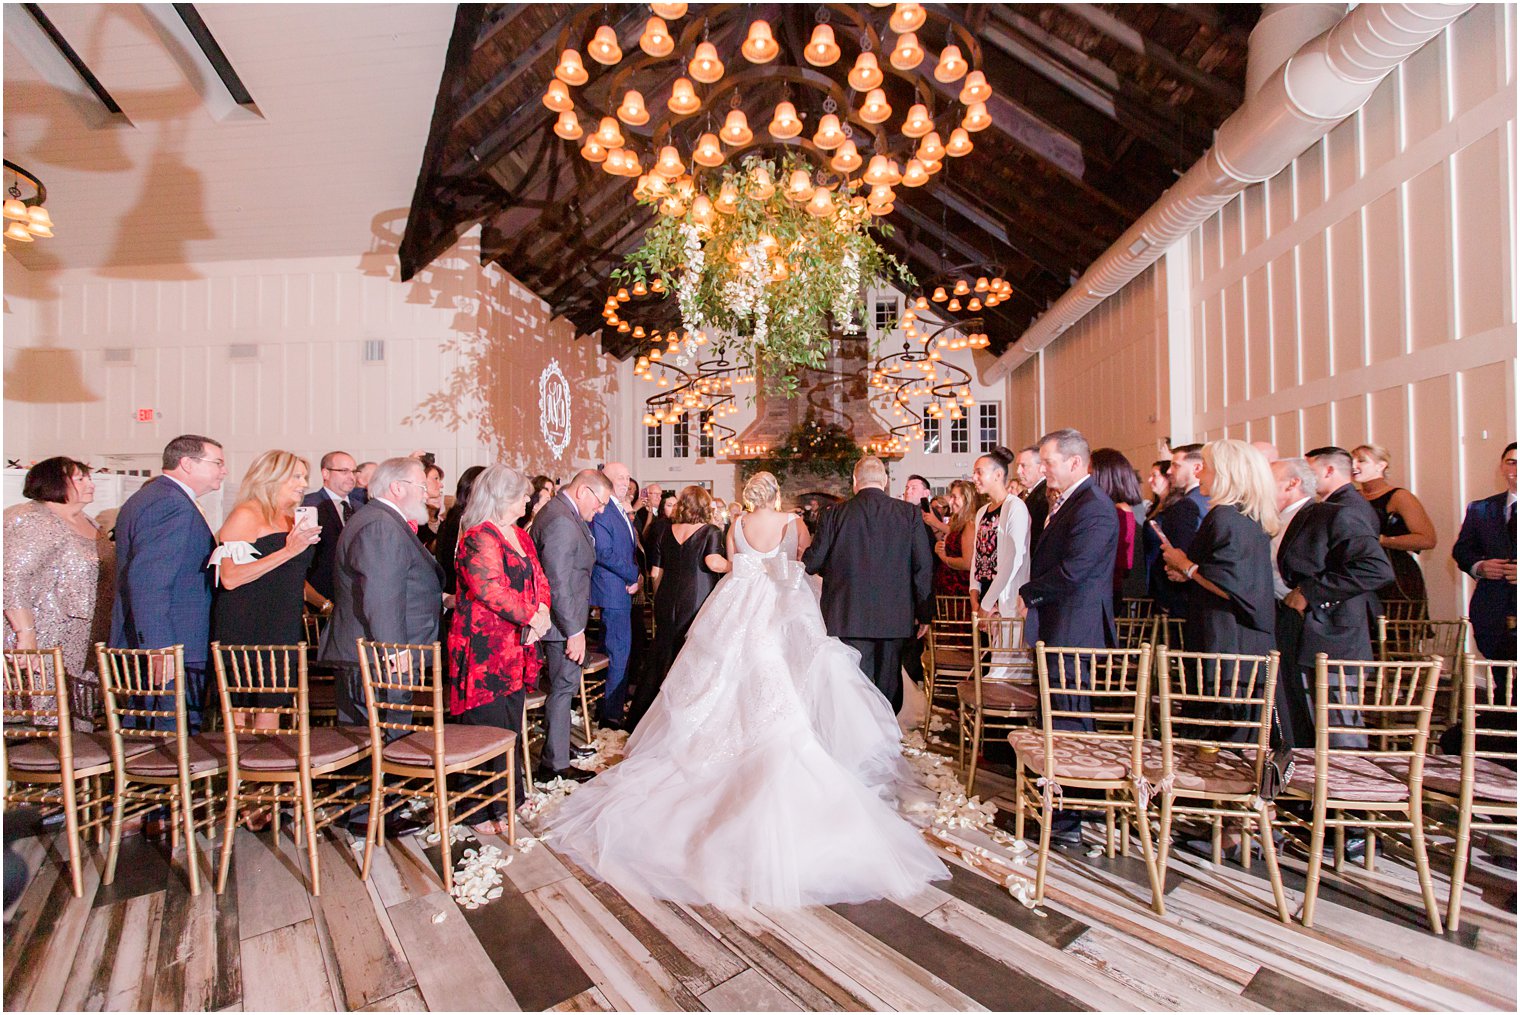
[(1373, 709), (952, 622), (406, 681), (1488, 689), (277, 673), (313, 623), (1215, 700), (998, 644), (145, 687), (1111, 687), (1410, 640), (1137, 608), (1135, 631), (1171, 631), (34, 708), (1405, 609)]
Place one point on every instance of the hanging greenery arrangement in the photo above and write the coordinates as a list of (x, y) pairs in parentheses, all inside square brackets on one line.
[(823, 449), (764, 259)]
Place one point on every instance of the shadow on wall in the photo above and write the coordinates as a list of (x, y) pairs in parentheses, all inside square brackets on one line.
[(502, 388)]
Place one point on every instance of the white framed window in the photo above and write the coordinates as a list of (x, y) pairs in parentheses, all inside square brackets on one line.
[(704, 435), (654, 442), (931, 435), (989, 425), (680, 442), (959, 431), (885, 313)]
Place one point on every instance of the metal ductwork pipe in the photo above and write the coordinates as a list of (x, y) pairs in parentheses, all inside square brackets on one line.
[(1281, 31), (1320, 85)]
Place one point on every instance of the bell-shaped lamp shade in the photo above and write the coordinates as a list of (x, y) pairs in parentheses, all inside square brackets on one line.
[(656, 40), (609, 134), (821, 204), (728, 199), (977, 117), (918, 122), (593, 150), (735, 130), (931, 148), (982, 285), (604, 48), (632, 111), (976, 88), (760, 45), (785, 123), (828, 136), (799, 186), (962, 287), (846, 159), (568, 126), (669, 163), (613, 164), (683, 98), (878, 172), (557, 98), (875, 109), (951, 66), (821, 50), (570, 70), (907, 18), (761, 187), (907, 54), (669, 12), (915, 175), (708, 152), (17, 231), (705, 65), (959, 143), (631, 165), (866, 74), (702, 212)]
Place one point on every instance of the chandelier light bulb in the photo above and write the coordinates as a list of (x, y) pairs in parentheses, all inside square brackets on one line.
[(894, 173), (882, 194), (959, 144), (829, 135), (799, 186), (907, 54), (931, 149), (760, 188), (954, 306), (593, 150), (632, 111), (709, 153), (736, 129), (705, 65), (18, 232), (939, 294), (962, 287), (568, 126), (702, 213), (915, 175), (977, 117), (609, 134), (877, 173), (976, 88), (669, 164), (846, 159), (982, 285), (683, 98), (821, 50), (951, 66), (670, 12), (656, 40), (866, 74), (760, 46), (974, 305), (821, 205), (907, 18), (876, 109), (604, 47), (570, 70), (557, 98), (785, 123), (728, 199), (918, 122), (631, 165), (613, 164)]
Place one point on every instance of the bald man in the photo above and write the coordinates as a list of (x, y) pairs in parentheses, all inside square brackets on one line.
[(1267, 449), (614, 580)]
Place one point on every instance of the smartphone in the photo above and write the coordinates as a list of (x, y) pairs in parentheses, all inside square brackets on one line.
[(923, 504), (1156, 527), (306, 516)]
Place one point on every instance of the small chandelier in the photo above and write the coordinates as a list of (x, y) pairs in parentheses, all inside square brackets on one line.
[(25, 215)]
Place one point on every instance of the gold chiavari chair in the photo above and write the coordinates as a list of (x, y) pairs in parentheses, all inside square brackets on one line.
[(406, 683), (47, 763), (1216, 722), (1108, 689), (271, 767), (1137, 608), (593, 683), (1369, 717), (1406, 609), (1132, 632), (531, 703), (1001, 694), (1412, 640), (948, 654), (144, 691), (1171, 631)]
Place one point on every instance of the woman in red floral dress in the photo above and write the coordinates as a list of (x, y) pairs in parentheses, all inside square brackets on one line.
[(501, 611)]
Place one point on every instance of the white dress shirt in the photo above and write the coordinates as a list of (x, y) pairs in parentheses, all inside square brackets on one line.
[(1278, 585)]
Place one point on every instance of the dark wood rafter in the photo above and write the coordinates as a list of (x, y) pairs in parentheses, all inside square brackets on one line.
[(1094, 110)]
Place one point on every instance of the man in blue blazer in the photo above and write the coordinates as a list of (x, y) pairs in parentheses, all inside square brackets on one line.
[(614, 580), (1485, 549), (163, 542)]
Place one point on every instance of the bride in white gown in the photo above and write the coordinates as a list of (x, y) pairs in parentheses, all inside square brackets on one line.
[(768, 771)]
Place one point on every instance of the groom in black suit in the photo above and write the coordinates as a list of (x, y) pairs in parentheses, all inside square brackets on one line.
[(877, 565)]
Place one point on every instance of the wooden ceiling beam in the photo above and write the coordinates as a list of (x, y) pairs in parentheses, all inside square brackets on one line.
[(547, 42), (1130, 38)]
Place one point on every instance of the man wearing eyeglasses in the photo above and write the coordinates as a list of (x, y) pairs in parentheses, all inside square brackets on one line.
[(333, 510), (163, 541)]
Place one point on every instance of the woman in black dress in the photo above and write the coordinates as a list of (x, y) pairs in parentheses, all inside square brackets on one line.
[(1404, 528), (1228, 568), (685, 567)]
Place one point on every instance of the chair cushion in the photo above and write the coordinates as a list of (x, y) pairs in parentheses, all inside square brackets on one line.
[(91, 750), (1225, 773), (1351, 777), (950, 658), (1074, 759), (460, 744), (329, 744), (535, 700), (207, 752), (1000, 695), (1443, 773), (595, 662)]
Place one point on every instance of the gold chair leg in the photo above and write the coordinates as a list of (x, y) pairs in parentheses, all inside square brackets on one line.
[(304, 808), (1269, 854), (1108, 828), (1148, 854), (376, 818), (585, 709), (229, 832), (1459, 866), (527, 764), (974, 752), (1422, 863), (71, 829), (1164, 843), (1047, 814), (511, 802), (1018, 797), (187, 813), (118, 804), (441, 814), (1316, 861)]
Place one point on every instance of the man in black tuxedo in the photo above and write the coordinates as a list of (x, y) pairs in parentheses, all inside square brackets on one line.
[(1068, 600), (877, 567), (1032, 478), (1179, 523), (1485, 550), (334, 508)]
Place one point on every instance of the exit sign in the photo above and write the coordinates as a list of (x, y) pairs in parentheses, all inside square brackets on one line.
[(146, 415)]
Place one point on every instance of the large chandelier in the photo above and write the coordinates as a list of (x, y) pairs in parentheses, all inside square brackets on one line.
[(25, 215), (917, 384)]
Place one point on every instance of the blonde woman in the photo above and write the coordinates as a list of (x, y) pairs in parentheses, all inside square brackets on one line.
[(954, 551), (765, 525), (1405, 527)]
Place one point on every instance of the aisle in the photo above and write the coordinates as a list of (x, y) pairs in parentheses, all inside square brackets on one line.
[(557, 939)]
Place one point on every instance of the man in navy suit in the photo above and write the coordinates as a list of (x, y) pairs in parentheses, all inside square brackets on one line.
[(339, 474), (614, 580), (1068, 600), (359, 495), (163, 588), (1485, 549), (1179, 523)]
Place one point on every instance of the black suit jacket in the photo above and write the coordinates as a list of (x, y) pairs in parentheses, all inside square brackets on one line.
[(1486, 535), (386, 587), (320, 572), (877, 565), (568, 555), (1070, 591), (1039, 506), (1330, 553), (1179, 522)]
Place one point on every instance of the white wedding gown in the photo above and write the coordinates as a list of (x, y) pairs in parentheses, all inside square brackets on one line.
[(768, 770)]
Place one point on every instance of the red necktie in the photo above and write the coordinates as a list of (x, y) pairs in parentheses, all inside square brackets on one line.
[(412, 525)]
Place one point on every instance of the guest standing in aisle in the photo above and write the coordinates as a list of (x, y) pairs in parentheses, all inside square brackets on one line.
[(1116, 477), (1000, 546), (334, 507), (614, 580), (1179, 523), (1031, 476), (1485, 550), (954, 553), (1404, 526), (1295, 486)]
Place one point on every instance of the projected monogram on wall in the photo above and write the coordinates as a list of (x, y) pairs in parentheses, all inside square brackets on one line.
[(554, 408)]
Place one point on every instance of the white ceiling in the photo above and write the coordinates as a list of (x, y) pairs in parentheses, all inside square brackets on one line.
[(344, 94)]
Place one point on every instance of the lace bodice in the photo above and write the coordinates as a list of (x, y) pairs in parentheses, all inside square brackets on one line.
[(786, 549)]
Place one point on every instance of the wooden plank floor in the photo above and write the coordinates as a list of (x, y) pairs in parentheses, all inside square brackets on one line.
[(559, 940)]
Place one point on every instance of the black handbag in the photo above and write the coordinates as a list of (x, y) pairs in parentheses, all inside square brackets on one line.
[(1277, 768)]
